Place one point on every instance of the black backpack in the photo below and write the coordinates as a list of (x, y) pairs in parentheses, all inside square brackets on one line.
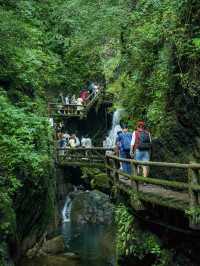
[(144, 141)]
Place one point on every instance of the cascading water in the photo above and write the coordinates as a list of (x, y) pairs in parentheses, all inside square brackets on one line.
[(115, 126), (67, 210)]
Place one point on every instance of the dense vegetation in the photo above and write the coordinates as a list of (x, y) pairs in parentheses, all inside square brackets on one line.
[(132, 242), (146, 51), (27, 181)]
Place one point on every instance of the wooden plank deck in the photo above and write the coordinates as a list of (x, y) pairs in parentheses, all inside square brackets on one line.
[(157, 194)]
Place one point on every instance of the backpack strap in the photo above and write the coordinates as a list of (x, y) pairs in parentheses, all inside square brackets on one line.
[(137, 139)]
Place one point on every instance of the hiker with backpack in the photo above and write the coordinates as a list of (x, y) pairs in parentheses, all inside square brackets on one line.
[(123, 143), (141, 146)]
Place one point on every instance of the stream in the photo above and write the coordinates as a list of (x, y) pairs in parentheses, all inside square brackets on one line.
[(88, 242), (94, 243)]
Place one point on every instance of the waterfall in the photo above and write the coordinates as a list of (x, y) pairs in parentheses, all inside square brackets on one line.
[(67, 210), (115, 126)]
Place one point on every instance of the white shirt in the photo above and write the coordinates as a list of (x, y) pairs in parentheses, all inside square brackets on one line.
[(79, 101), (66, 136), (66, 100), (88, 143), (72, 143), (83, 142), (77, 142), (133, 138), (51, 121)]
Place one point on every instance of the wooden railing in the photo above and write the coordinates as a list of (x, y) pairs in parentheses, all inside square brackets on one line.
[(82, 156), (73, 110), (184, 195)]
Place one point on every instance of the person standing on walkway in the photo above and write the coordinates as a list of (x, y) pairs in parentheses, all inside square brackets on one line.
[(67, 100), (141, 146), (123, 143), (84, 95), (72, 141), (62, 144), (79, 105), (61, 98)]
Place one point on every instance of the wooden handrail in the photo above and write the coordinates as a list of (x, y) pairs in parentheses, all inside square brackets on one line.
[(65, 105), (156, 181), (158, 164), (85, 149), (190, 197)]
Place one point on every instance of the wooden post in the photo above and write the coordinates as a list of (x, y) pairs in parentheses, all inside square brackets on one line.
[(116, 175), (134, 173), (193, 179), (107, 161)]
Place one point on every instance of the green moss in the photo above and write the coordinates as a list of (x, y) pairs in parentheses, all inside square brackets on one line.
[(135, 201), (98, 178)]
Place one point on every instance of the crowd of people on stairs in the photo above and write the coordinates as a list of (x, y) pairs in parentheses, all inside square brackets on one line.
[(75, 103), (136, 145)]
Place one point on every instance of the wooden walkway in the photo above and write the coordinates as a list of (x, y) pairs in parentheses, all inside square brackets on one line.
[(178, 195), (157, 194), (74, 110), (184, 196)]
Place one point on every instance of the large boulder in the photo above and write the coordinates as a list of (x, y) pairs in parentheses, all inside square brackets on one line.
[(91, 207), (54, 246)]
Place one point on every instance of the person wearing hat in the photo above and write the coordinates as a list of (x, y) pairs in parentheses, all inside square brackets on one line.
[(141, 146)]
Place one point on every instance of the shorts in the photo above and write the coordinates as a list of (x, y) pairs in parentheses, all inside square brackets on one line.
[(142, 155)]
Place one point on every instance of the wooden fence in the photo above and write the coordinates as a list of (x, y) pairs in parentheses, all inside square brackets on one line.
[(82, 156), (183, 195)]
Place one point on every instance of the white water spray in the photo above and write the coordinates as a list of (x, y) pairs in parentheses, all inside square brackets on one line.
[(115, 126), (66, 212)]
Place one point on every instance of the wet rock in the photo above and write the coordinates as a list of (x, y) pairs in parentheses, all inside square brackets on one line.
[(28, 243), (49, 260), (54, 246), (91, 207), (72, 255)]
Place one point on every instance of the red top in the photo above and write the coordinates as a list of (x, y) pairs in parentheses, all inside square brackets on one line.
[(84, 95)]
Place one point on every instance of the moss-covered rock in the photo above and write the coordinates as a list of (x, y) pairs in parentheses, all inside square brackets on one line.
[(55, 245), (92, 207)]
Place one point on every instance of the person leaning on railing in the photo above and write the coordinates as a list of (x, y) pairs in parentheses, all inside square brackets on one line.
[(141, 146)]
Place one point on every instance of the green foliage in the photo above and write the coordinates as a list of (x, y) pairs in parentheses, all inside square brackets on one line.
[(157, 74), (194, 214), (132, 241), (25, 159), (135, 201), (146, 51), (28, 67)]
